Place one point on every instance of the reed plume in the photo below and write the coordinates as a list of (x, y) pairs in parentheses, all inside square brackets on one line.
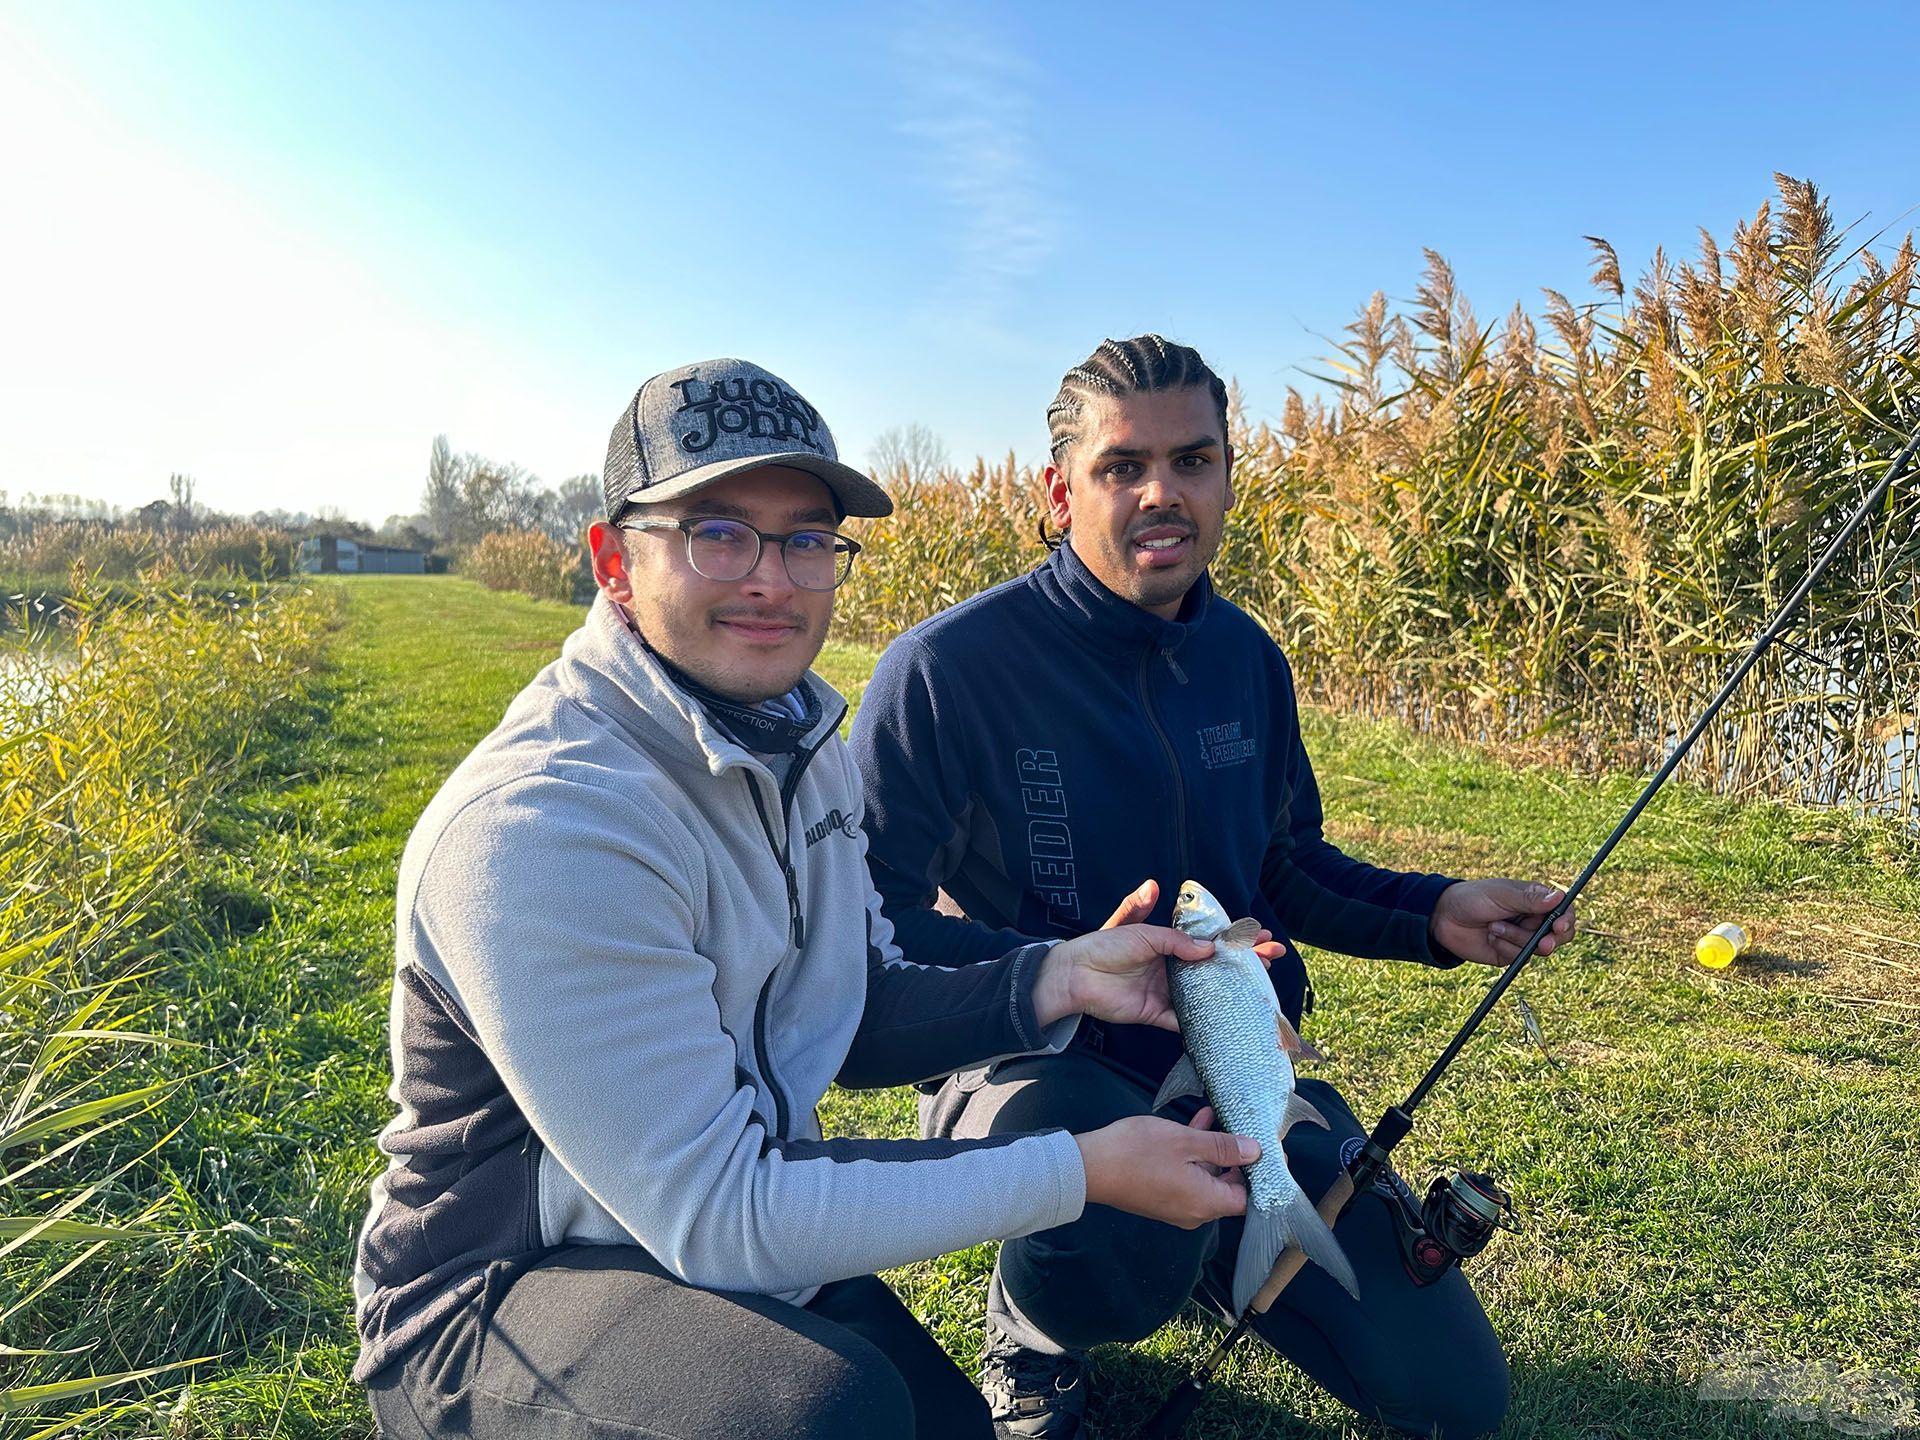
[(1553, 538)]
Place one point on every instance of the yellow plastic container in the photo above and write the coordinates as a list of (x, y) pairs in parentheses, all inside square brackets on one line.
[(1718, 946)]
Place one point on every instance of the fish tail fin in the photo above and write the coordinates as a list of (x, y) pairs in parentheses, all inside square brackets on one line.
[(1262, 1239), (1268, 1232), (1315, 1236)]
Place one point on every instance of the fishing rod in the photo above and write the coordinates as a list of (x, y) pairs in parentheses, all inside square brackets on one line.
[(1393, 1127)]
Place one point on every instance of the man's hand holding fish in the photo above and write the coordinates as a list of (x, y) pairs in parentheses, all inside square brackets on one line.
[(1186, 1179), (1116, 973)]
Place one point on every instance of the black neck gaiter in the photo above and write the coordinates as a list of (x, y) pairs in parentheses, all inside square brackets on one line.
[(763, 731)]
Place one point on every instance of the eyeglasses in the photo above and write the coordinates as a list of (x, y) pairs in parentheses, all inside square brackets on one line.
[(730, 549)]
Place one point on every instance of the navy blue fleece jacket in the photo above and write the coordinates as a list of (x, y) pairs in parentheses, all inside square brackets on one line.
[(1042, 748)]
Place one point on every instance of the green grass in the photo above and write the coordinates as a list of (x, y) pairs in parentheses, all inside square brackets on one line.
[(296, 987), (133, 724), (1720, 1163)]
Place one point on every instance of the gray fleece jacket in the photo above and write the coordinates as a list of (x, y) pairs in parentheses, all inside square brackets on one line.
[(630, 959)]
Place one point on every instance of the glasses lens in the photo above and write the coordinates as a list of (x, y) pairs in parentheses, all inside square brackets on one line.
[(722, 549), (815, 559), (728, 550)]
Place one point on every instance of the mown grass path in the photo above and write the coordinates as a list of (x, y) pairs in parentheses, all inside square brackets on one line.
[(1708, 1166)]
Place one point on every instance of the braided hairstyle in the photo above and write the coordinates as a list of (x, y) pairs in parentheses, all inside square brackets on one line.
[(1128, 367), (1124, 367)]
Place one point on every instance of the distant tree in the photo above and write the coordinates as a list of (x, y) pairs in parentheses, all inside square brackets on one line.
[(64, 506), (298, 521), (404, 531), (468, 496), (497, 495), (440, 502), (332, 520), (576, 503), (908, 452), (181, 489)]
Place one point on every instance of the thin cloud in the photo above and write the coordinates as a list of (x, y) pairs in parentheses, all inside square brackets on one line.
[(970, 112)]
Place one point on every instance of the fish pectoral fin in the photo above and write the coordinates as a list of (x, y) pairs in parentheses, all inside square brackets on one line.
[(1291, 1042), (1182, 1080), (1299, 1109), (1241, 932)]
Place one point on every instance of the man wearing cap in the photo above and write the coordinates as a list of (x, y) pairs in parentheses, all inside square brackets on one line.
[(635, 942)]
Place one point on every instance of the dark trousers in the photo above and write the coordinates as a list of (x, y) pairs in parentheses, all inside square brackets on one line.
[(1423, 1360), (594, 1342)]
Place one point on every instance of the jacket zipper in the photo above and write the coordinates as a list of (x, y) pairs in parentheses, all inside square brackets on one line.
[(531, 1154), (782, 845), (1173, 764), (780, 1116)]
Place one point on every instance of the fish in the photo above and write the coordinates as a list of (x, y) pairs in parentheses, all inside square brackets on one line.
[(1239, 1055), (1530, 1023)]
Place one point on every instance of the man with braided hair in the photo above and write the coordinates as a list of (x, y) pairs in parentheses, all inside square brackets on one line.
[(1150, 727)]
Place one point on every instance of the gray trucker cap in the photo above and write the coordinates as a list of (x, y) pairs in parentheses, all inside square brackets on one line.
[(701, 423)]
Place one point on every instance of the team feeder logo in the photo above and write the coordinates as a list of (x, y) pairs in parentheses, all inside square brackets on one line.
[(1222, 746), (832, 821), (755, 407)]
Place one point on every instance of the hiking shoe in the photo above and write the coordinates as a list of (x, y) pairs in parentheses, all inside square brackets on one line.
[(1029, 1392)]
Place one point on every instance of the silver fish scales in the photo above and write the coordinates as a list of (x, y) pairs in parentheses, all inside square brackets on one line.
[(1238, 1044)]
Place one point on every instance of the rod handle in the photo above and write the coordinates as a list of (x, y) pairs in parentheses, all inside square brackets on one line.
[(1172, 1416)]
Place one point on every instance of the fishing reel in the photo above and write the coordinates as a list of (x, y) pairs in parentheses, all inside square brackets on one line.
[(1454, 1223)]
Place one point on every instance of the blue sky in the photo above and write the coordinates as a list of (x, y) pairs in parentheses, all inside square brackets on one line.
[(281, 247)]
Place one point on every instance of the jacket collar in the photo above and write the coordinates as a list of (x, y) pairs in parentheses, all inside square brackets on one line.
[(604, 665), (1108, 621)]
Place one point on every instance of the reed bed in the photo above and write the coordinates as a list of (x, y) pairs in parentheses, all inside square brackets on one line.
[(44, 557), (1553, 537), (530, 561), (947, 538), (121, 727)]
